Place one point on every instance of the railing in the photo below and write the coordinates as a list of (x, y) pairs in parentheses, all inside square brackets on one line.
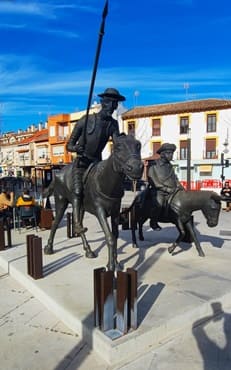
[(203, 184)]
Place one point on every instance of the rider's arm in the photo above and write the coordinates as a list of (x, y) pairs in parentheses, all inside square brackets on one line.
[(114, 129), (153, 178), (72, 144)]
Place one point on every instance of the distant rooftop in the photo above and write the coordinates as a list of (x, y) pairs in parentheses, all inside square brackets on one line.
[(176, 108)]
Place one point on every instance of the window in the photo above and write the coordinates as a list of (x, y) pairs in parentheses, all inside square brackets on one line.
[(131, 128), (58, 150), (52, 130), (211, 122), (155, 147), (184, 125), (42, 152), (62, 132), (183, 149), (210, 149), (156, 127)]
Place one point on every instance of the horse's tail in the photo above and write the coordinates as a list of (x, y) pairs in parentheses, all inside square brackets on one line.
[(49, 190)]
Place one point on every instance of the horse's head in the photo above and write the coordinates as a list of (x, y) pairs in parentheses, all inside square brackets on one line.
[(211, 209), (127, 157)]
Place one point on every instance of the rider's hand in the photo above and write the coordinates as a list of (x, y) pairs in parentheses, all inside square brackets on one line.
[(79, 149)]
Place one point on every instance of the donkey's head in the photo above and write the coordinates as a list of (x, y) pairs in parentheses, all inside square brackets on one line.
[(211, 209), (127, 157)]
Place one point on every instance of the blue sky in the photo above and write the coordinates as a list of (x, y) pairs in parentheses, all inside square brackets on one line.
[(153, 51)]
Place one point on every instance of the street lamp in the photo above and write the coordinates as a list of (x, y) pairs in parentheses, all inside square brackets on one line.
[(189, 160)]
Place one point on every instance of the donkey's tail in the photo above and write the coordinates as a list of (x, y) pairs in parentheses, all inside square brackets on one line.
[(49, 190)]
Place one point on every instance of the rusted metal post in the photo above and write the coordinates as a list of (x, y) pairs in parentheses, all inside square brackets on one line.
[(37, 258), (97, 296), (107, 300), (8, 233), (34, 256), (29, 238), (132, 298), (122, 302), (2, 236)]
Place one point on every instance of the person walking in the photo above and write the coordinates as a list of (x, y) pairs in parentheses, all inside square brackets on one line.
[(226, 193)]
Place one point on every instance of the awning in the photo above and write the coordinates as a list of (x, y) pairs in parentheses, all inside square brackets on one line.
[(23, 150), (205, 168)]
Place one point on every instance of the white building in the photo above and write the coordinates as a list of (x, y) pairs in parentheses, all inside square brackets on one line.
[(205, 124)]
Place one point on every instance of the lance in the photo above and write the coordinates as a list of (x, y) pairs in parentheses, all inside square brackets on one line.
[(101, 33)]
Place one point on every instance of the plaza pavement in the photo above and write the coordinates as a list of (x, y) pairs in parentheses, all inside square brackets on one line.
[(48, 323)]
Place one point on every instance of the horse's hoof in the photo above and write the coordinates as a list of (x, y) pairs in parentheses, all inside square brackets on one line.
[(48, 250), (170, 250), (134, 246), (90, 254)]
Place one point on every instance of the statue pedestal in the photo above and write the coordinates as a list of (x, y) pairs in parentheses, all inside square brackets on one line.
[(115, 301)]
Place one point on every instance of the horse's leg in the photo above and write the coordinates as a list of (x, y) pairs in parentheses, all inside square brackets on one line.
[(180, 237), (88, 252), (190, 227), (60, 207), (110, 238), (115, 232)]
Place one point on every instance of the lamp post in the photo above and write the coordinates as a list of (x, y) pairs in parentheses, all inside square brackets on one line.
[(189, 160)]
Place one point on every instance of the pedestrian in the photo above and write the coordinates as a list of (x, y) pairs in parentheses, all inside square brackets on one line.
[(226, 193)]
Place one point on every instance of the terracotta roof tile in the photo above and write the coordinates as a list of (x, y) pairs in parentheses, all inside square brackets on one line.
[(40, 135), (177, 108)]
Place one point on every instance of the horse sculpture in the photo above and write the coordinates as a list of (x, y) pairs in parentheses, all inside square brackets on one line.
[(103, 191), (178, 212)]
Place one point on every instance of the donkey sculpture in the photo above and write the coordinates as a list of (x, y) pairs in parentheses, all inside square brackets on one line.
[(103, 191), (178, 212)]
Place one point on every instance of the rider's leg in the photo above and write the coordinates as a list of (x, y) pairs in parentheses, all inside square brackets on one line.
[(155, 212), (77, 194)]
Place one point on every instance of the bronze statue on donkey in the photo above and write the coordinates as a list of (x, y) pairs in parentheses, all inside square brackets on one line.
[(165, 200)]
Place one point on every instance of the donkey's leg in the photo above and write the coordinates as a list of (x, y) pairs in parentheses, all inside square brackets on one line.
[(60, 207), (191, 230)]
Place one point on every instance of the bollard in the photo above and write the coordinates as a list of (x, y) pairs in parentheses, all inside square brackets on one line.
[(2, 236), (97, 296), (122, 302), (132, 298), (8, 233), (107, 300), (29, 238), (34, 256)]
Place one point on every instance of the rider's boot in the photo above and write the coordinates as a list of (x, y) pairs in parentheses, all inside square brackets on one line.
[(78, 228)]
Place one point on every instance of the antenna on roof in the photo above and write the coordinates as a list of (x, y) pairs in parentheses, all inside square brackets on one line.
[(186, 87), (136, 94)]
